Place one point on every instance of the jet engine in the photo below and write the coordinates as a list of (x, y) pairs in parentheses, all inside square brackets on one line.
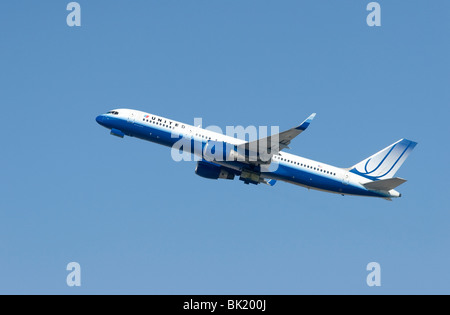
[(212, 171)]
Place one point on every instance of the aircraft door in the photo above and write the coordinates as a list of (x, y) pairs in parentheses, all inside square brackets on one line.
[(346, 179), (132, 118)]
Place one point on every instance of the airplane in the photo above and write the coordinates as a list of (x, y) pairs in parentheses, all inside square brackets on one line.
[(264, 161)]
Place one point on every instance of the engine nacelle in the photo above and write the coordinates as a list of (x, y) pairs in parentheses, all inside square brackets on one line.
[(117, 133), (212, 171)]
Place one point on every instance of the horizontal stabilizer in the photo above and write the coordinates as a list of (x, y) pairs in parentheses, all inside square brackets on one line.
[(385, 184)]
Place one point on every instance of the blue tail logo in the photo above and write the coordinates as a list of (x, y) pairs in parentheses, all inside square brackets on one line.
[(385, 164)]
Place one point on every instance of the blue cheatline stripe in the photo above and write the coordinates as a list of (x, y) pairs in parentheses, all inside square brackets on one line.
[(311, 179)]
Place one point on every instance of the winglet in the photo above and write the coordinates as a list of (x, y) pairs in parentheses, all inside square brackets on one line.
[(306, 123)]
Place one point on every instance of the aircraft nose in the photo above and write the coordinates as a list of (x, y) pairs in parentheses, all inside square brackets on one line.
[(99, 119)]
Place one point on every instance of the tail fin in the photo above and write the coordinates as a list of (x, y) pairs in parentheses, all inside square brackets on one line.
[(385, 164)]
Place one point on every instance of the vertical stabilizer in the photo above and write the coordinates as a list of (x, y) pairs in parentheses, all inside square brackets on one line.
[(385, 164)]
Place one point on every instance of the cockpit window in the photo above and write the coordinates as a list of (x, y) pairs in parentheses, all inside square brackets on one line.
[(113, 113)]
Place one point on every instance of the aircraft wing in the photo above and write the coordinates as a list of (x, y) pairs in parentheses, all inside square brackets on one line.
[(275, 143)]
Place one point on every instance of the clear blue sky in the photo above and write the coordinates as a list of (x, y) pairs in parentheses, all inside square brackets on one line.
[(138, 222)]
